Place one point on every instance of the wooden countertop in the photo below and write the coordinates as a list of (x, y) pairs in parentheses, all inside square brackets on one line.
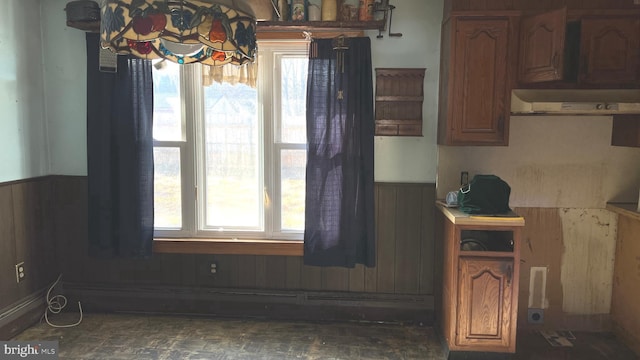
[(458, 217), (626, 209)]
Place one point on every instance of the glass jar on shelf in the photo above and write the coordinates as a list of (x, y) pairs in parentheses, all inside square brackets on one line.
[(366, 10), (299, 10), (329, 10), (283, 9)]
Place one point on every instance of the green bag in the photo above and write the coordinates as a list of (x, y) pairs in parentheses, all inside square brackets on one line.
[(485, 194)]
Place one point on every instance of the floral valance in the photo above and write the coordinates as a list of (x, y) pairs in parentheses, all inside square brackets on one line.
[(183, 31)]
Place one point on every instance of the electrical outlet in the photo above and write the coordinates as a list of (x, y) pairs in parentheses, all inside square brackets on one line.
[(20, 275), (535, 316), (214, 268)]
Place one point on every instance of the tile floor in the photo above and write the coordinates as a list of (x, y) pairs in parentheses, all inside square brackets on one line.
[(101, 336), (133, 336)]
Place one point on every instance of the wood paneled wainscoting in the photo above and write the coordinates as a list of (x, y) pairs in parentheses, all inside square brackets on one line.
[(399, 288), (26, 235)]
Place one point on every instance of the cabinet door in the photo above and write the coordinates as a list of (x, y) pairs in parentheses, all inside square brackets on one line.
[(626, 130), (610, 51), (477, 106), (485, 298), (542, 40)]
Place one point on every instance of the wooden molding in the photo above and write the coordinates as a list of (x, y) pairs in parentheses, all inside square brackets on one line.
[(229, 247), (317, 26), (625, 209), (300, 35), (28, 180)]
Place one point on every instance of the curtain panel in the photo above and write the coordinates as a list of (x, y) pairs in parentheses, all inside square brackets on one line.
[(339, 215), (119, 156)]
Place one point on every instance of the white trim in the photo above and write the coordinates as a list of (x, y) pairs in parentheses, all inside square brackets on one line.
[(192, 164)]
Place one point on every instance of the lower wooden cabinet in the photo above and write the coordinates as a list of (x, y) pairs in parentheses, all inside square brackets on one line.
[(485, 295), (481, 265)]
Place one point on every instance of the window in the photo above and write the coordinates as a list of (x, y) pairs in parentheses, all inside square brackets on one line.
[(230, 159)]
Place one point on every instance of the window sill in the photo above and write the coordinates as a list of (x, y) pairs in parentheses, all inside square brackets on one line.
[(228, 247)]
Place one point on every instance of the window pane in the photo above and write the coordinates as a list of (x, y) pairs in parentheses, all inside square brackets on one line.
[(294, 99), (293, 185), (234, 191), (167, 118), (167, 188)]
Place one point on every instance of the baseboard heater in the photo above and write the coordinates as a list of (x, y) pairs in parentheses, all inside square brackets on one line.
[(21, 314), (253, 302)]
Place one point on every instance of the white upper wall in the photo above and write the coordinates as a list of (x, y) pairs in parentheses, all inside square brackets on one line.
[(401, 159), (65, 70), (23, 140), (411, 159), (554, 162)]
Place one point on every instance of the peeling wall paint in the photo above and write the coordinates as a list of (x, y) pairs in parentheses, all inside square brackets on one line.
[(589, 237), (556, 185), (562, 171), (551, 161)]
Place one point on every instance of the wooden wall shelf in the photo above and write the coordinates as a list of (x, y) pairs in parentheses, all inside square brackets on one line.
[(279, 26), (399, 97), (320, 25)]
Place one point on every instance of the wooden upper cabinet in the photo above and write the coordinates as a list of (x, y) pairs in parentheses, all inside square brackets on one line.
[(537, 5), (592, 51), (542, 40), (485, 296), (610, 50), (473, 108), (626, 131)]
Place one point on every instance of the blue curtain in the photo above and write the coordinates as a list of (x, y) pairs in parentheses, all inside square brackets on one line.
[(119, 156), (339, 215)]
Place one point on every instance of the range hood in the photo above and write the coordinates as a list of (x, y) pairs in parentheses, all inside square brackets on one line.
[(575, 102)]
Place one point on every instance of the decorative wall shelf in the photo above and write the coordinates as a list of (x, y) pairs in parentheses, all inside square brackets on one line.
[(399, 97)]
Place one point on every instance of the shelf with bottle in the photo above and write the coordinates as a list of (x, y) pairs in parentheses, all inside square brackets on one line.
[(280, 26), (320, 25), (327, 15)]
